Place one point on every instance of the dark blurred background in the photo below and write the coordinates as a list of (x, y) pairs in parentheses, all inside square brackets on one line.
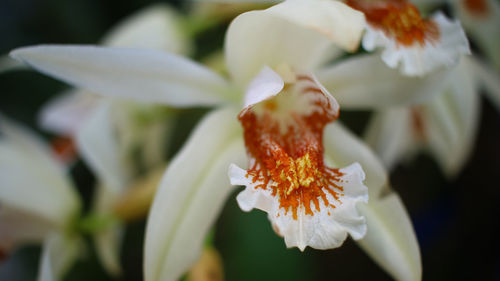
[(457, 222)]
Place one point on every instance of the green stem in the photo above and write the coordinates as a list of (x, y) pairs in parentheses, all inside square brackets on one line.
[(93, 223)]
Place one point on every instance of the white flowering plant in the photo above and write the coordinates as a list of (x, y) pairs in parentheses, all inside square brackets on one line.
[(320, 114)]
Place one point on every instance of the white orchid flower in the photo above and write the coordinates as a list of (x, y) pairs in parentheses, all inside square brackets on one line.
[(115, 140), (426, 117), (110, 132), (481, 20), (411, 43), (270, 56), (38, 203), (416, 51), (444, 126)]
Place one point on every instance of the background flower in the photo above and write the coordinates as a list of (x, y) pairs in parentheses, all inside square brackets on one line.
[(38, 202)]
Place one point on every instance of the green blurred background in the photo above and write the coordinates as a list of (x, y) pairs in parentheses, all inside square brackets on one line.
[(456, 222)]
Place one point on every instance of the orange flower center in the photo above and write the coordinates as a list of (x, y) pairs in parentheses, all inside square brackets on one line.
[(286, 148), (398, 19)]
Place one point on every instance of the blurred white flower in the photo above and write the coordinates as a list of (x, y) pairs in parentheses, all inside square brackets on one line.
[(481, 20), (444, 126), (38, 203), (157, 27), (116, 136), (437, 111), (270, 56), (115, 140)]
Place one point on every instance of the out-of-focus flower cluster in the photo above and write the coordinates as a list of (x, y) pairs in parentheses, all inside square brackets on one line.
[(273, 92)]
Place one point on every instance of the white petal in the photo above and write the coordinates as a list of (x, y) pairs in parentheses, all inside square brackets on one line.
[(31, 180), (327, 228), (66, 113), (143, 75), (190, 196), (418, 60), (342, 148), (250, 197), (18, 227), (390, 239), (452, 121), (390, 133), (294, 32), (340, 23), (366, 82), (58, 254), (488, 77), (303, 95), (155, 27), (98, 145), (264, 86)]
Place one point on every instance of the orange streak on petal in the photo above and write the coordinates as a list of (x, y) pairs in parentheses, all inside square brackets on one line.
[(418, 123), (64, 148), (477, 8)]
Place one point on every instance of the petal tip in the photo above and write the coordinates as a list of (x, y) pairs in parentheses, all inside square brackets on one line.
[(236, 175)]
